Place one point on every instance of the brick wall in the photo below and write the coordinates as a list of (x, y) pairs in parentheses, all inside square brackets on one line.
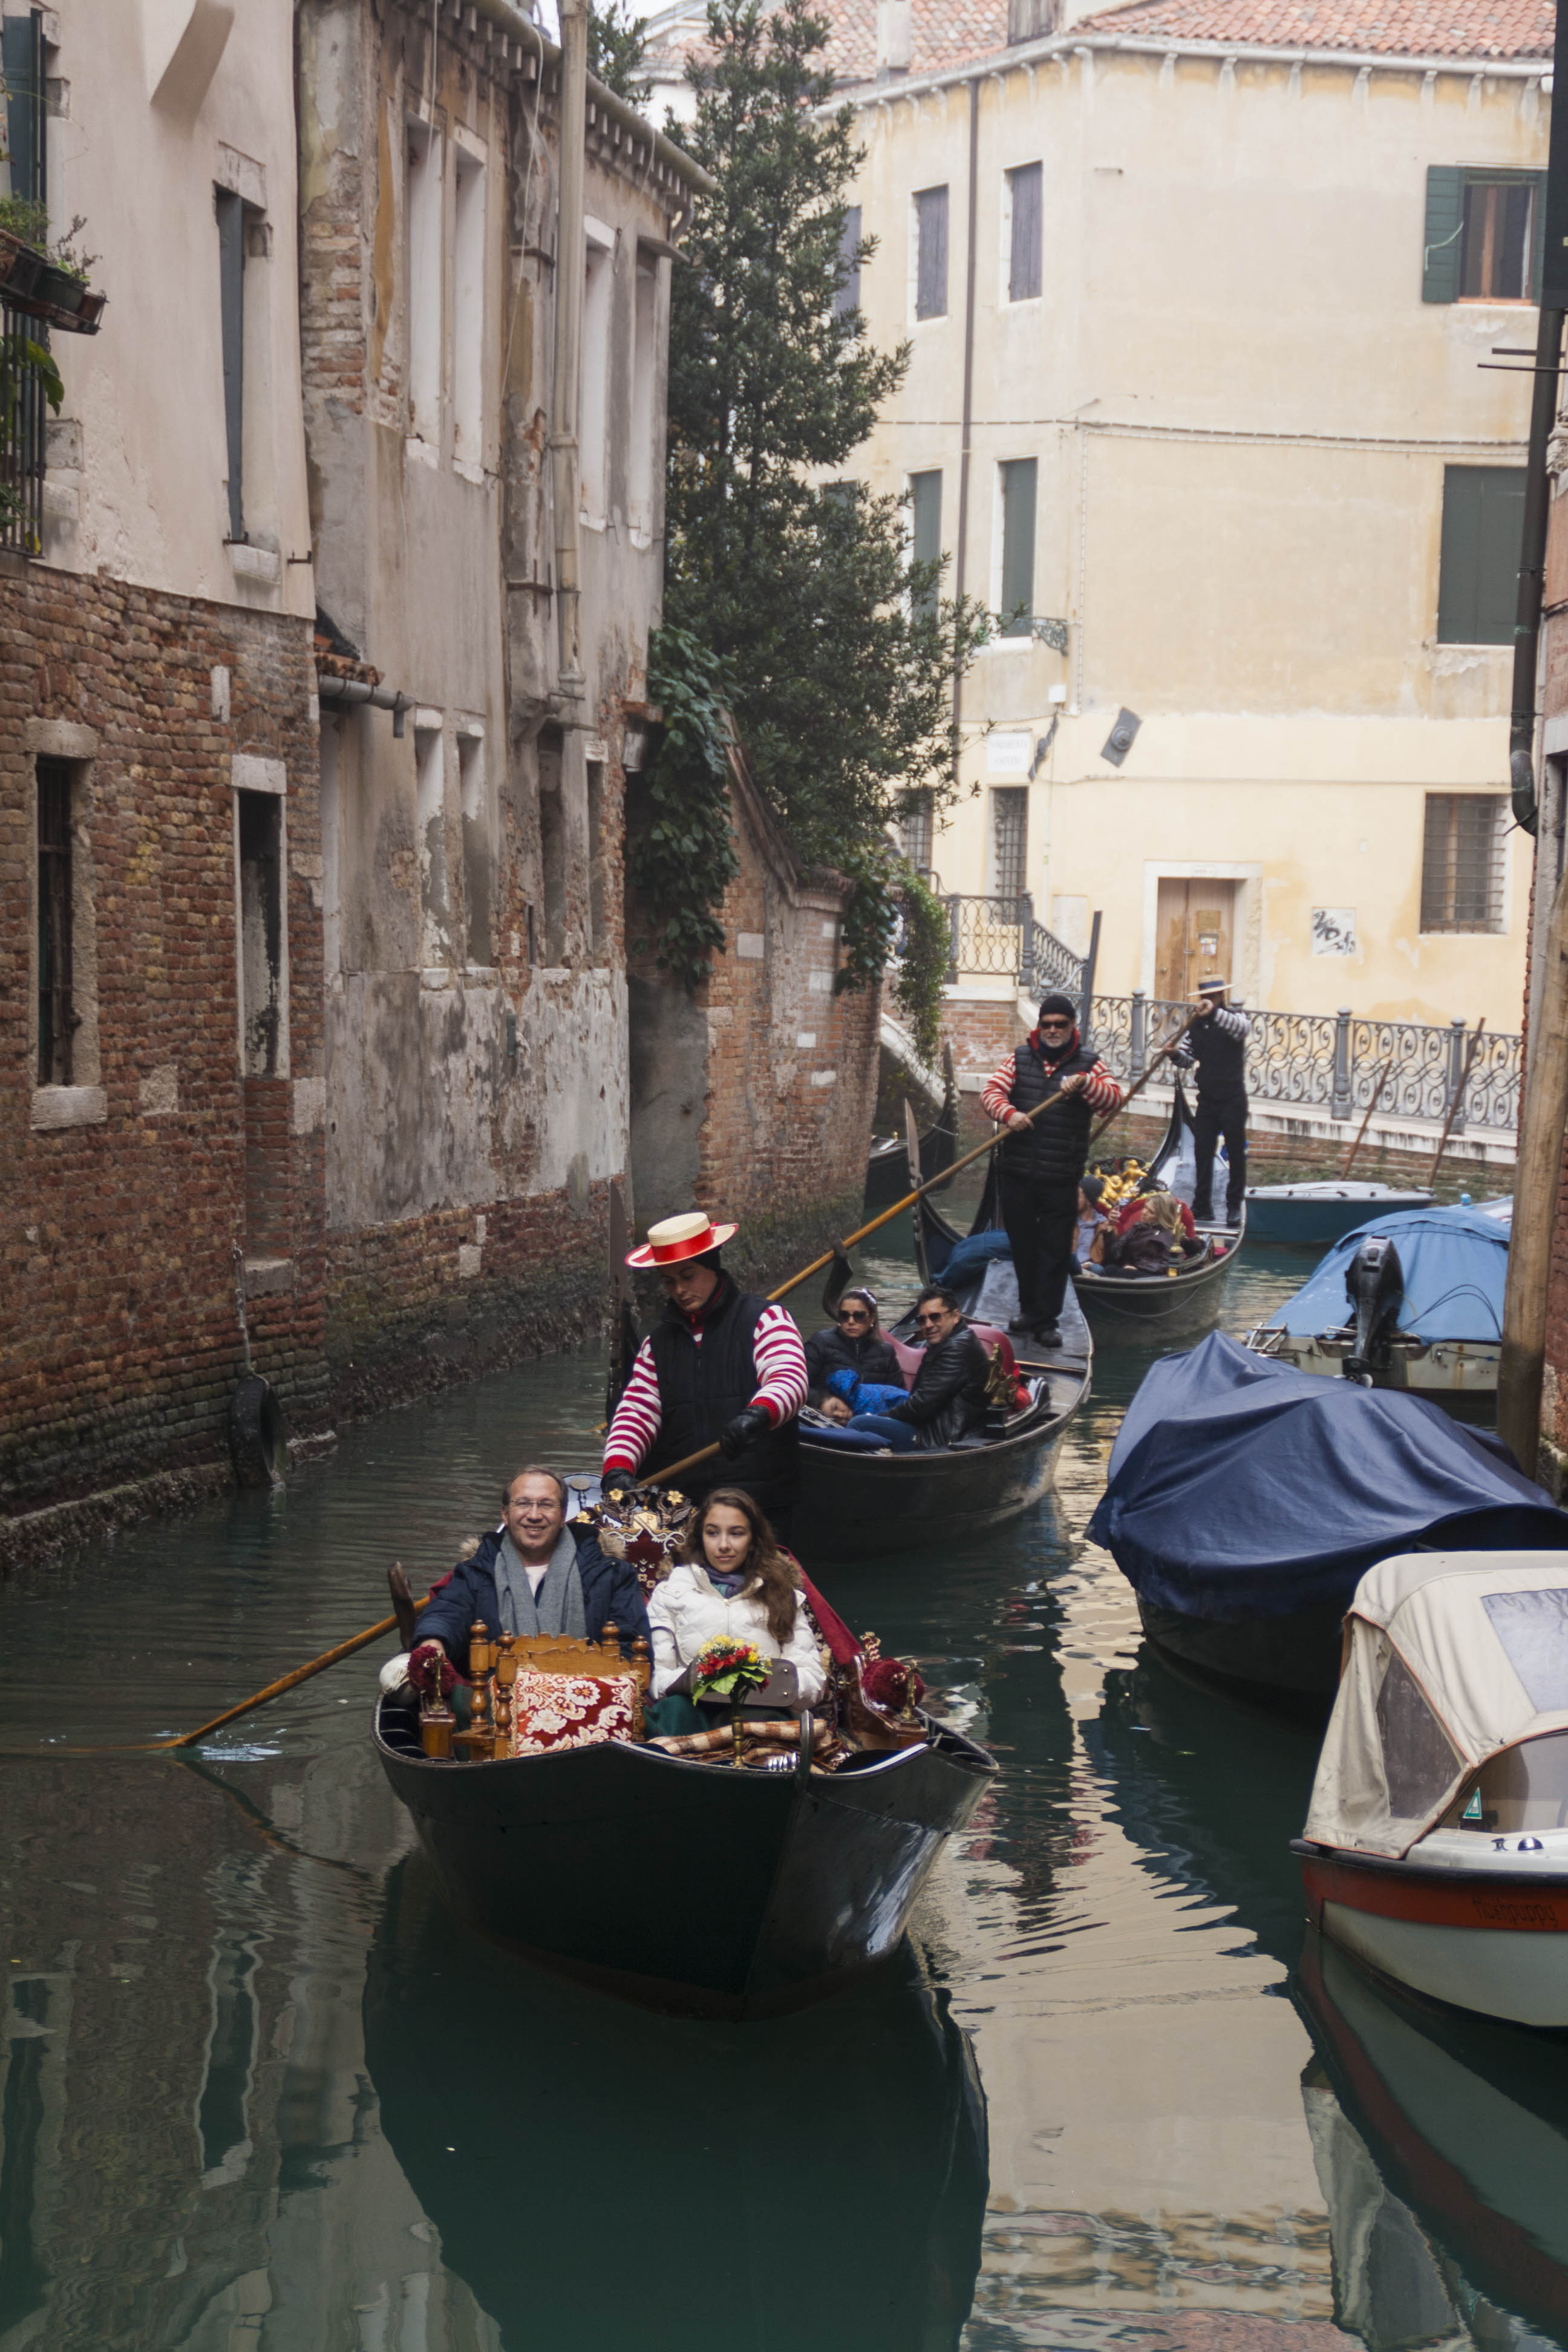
[(980, 1031), (119, 1343)]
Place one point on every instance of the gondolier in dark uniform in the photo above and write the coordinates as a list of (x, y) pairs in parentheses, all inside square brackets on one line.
[(1216, 1040), (1043, 1160), (721, 1365)]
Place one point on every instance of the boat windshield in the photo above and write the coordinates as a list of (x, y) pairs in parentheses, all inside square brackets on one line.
[(1525, 1788)]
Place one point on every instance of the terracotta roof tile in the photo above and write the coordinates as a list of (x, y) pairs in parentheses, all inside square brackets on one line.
[(953, 33), (1412, 29)]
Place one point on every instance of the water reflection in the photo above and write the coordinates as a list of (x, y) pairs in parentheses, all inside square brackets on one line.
[(256, 2090)]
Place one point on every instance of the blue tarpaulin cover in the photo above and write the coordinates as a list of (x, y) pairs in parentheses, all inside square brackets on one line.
[(1241, 1488), (1454, 1262)]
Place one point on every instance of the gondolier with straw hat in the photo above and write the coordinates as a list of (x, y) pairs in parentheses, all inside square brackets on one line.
[(720, 1367)]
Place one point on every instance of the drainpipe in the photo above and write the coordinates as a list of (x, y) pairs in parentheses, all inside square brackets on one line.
[(1537, 1180), (565, 395), (1532, 570), (959, 563)]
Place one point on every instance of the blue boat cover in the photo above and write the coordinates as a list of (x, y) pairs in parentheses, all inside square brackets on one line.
[(1241, 1488), (1454, 1262)]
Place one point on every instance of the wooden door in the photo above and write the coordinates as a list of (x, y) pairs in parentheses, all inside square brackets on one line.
[(1193, 928)]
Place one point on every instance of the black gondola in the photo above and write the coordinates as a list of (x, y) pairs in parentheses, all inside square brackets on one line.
[(686, 1885), (1164, 1305), (886, 1169), (853, 1505)]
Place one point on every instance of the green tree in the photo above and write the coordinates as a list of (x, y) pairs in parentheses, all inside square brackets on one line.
[(842, 652), (616, 40)]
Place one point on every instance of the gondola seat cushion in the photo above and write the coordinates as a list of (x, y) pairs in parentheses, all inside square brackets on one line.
[(552, 1711)]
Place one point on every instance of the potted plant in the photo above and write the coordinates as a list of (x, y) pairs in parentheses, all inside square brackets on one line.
[(63, 279), (24, 225)]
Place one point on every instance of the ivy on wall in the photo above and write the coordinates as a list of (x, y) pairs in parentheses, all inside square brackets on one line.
[(680, 857)]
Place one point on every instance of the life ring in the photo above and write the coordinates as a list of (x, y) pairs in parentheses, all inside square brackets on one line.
[(256, 1439)]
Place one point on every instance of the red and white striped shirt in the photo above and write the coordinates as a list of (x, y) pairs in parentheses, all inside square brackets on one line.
[(779, 1361), (1100, 1090)]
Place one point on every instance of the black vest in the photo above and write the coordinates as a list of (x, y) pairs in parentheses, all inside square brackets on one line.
[(702, 1388), (1221, 1060), (1057, 1146)]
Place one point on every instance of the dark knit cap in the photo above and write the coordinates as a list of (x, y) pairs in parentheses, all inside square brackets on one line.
[(1063, 1005)]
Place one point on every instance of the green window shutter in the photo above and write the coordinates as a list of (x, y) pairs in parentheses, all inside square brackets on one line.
[(1444, 229), (1537, 232), (1483, 536), (925, 530), (22, 62), (1017, 546)]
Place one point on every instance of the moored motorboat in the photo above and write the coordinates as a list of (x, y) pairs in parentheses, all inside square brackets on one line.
[(1435, 1846), (683, 1883), (1245, 1500), (1424, 1292), (1320, 1212)]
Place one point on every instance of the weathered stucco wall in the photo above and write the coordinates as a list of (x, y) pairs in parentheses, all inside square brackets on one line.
[(752, 1097)]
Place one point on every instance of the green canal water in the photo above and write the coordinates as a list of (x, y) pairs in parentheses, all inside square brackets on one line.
[(258, 2091)]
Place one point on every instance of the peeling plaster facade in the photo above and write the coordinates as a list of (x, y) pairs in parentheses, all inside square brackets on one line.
[(471, 890)]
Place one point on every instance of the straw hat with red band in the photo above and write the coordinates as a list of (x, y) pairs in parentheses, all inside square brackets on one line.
[(692, 1236)]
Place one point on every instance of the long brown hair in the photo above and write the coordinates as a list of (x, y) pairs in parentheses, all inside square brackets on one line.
[(768, 1572)]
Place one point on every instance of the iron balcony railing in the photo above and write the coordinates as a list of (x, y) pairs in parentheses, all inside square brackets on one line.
[(1335, 1062), (23, 452), (1000, 937)]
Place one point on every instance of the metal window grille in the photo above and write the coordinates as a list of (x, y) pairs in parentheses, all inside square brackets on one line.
[(1009, 838), (23, 454), (56, 1016), (915, 831), (930, 253), (1462, 862)]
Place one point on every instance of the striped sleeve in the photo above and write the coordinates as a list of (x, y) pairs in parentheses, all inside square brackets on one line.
[(997, 1094), (1101, 1090), (1226, 1017), (636, 1417), (780, 1361)]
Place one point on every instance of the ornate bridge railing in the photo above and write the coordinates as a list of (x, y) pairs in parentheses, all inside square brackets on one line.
[(998, 937), (1334, 1061)]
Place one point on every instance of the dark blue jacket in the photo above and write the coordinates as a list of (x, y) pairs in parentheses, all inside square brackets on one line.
[(610, 1593)]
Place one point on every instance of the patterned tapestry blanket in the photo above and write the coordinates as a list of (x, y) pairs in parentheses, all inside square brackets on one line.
[(552, 1711)]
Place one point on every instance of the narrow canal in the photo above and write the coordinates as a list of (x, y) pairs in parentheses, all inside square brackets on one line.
[(259, 2092)]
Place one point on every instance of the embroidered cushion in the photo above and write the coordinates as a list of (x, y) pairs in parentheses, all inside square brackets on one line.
[(552, 1711)]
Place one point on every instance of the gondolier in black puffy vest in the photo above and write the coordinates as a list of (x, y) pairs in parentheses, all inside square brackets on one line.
[(1217, 1041), (1042, 1159), (721, 1365)]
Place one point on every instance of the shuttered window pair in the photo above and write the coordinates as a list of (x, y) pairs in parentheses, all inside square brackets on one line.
[(1485, 233)]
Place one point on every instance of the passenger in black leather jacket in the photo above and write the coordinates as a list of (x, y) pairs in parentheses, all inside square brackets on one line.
[(948, 1398), (855, 1343)]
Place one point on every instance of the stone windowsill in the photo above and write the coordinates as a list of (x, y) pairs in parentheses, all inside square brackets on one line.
[(57, 1106)]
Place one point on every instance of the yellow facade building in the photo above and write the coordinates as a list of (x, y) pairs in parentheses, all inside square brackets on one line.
[(1203, 403)]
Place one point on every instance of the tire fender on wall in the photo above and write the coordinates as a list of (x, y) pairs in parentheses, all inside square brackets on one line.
[(256, 1438)]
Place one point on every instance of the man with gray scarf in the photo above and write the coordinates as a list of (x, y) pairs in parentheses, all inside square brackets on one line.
[(531, 1575)]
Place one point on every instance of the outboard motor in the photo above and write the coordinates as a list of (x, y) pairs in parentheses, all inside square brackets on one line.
[(1374, 1285)]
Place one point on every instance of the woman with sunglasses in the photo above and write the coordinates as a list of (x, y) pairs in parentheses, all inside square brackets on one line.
[(854, 1343)]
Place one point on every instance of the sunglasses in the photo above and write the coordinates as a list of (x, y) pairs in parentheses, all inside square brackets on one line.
[(1055, 1020), (854, 1314), (939, 1315)]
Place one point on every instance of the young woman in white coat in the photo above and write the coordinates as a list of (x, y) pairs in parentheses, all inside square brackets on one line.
[(731, 1580)]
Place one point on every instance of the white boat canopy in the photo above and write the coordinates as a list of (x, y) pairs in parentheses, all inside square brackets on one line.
[(1453, 1657)]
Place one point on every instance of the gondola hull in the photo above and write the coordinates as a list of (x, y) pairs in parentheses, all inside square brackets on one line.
[(690, 1887), (856, 1505), (1294, 1658), (1160, 1305)]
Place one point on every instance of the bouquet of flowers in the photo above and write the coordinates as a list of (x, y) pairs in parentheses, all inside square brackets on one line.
[(726, 1669)]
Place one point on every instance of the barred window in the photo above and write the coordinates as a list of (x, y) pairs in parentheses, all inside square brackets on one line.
[(1009, 836), (915, 831), (57, 1016), (1462, 862)]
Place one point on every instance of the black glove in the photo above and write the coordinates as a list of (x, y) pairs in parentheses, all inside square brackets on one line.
[(615, 1485), (743, 1430)]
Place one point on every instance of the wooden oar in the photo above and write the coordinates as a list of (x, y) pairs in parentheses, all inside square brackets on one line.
[(1361, 1134)]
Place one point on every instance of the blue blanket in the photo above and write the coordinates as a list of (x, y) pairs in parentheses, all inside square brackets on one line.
[(1454, 1262), (1241, 1488)]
